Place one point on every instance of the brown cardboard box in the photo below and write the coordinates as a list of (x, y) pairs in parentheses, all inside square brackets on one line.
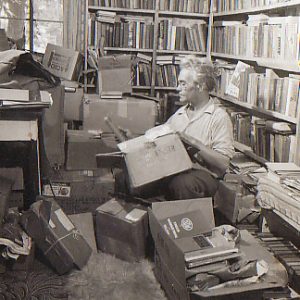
[(62, 62), (73, 103), (56, 236), (82, 147), (80, 191), (232, 204), (115, 73), (134, 114), (85, 223), (151, 160), (170, 264), (122, 229)]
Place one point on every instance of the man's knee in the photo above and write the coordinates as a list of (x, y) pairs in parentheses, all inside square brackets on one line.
[(184, 186), (192, 184)]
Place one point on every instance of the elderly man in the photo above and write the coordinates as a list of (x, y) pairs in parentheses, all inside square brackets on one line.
[(204, 127), (206, 130)]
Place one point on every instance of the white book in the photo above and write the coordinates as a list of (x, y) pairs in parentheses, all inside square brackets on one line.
[(292, 97)]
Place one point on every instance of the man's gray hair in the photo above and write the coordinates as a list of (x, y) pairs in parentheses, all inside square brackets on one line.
[(203, 68)]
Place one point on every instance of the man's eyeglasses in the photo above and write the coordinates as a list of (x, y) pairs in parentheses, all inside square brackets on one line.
[(183, 85)]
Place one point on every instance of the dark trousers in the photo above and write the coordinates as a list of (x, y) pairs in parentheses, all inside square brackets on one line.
[(190, 184)]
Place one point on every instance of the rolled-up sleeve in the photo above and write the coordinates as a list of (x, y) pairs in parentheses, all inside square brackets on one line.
[(222, 133)]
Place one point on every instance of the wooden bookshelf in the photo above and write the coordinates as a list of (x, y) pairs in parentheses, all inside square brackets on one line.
[(266, 8), (157, 16), (264, 62), (285, 64), (256, 110)]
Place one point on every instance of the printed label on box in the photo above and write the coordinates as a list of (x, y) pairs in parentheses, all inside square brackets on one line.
[(58, 189)]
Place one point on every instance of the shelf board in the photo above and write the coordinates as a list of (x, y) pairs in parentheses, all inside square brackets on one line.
[(182, 14), (255, 109), (121, 10), (139, 87), (128, 49), (264, 62), (249, 152), (180, 52), (269, 7), (166, 88)]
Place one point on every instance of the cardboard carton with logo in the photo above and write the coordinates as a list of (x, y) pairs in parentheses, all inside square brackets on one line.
[(80, 191), (62, 62), (170, 264), (122, 229)]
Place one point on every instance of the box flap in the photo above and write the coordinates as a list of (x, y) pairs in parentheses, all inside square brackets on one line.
[(112, 207), (163, 210)]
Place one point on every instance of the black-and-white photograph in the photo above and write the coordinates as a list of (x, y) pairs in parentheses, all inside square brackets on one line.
[(149, 149)]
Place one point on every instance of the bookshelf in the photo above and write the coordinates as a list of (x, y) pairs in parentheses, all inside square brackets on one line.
[(235, 31), (177, 28), (266, 38)]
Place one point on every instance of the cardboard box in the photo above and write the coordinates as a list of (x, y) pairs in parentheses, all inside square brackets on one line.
[(151, 160), (233, 205), (114, 73), (134, 114), (170, 264), (56, 236), (73, 104), (85, 223), (62, 62), (80, 191), (82, 147), (122, 229)]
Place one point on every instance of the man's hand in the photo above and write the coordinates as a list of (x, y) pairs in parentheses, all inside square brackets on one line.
[(212, 159)]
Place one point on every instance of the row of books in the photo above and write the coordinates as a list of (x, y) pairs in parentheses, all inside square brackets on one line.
[(232, 5), (274, 141), (263, 90), (131, 4), (178, 34), (126, 33), (190, 6), (166, 70), (267, 37)]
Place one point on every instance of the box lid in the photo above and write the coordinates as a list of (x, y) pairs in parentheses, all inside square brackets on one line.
[(150, 160)]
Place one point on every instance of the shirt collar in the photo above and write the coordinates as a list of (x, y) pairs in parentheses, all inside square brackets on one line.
[(208, 108)]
